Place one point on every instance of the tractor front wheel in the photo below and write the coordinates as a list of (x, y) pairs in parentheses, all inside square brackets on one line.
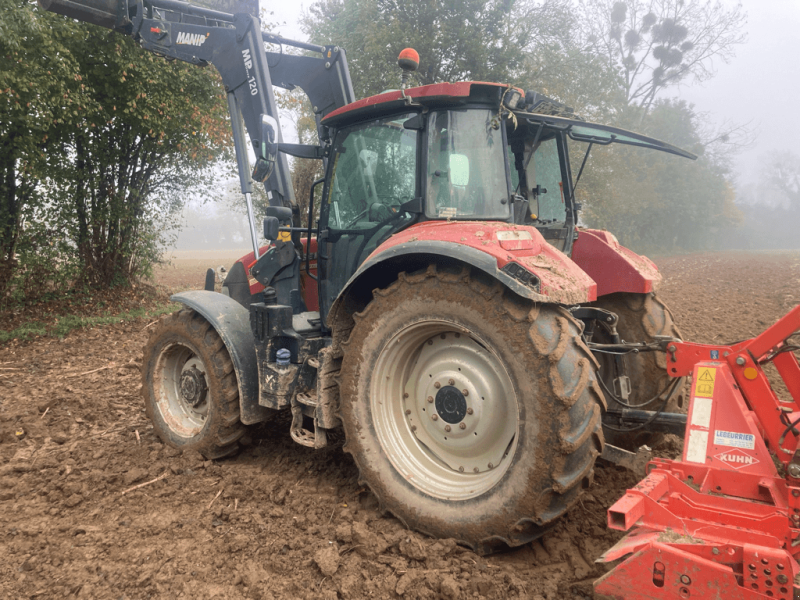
[(190, 391), (470, 412)]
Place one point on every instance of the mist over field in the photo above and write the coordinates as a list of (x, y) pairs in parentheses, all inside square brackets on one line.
[(746, 102)]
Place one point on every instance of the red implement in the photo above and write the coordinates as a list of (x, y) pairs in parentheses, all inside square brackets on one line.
[(724, 521)]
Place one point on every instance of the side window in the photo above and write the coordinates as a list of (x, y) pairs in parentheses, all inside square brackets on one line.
[(374, 172), (544, 170)]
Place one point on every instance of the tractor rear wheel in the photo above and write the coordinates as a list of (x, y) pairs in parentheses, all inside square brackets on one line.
[(189, 386), (470, 412), (642, 317)]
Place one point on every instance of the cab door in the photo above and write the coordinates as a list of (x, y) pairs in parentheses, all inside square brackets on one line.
[(372, 172)]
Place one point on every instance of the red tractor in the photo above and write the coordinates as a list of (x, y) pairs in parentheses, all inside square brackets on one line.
[(446, 311)]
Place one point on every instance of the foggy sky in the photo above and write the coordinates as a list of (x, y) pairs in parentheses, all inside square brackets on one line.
[(760, 86)]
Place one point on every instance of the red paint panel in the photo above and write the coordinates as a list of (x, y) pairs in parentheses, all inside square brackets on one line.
[(613, 267), (561, 279)]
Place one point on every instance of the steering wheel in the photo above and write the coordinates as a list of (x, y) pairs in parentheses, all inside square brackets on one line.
[(387, 208), (357, 218)]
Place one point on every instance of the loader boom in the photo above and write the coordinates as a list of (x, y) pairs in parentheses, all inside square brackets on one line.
[(235, 45)]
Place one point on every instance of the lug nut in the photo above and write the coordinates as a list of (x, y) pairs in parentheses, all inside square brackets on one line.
[(430, 342), (408, 411), (461, 469), (451, 381), (465, 392), (470, 411), (447, 427), (435, 417), (491, 466), (405, 394), (443, 336), (476, 470), (413, 428), (462, 425), (430, 399), (437, 385)]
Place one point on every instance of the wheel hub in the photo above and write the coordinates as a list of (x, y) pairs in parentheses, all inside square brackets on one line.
[(451, 405), (193, 386)]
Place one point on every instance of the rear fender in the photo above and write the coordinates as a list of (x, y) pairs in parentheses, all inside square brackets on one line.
[(612, 266), (231, 321), (518, 257)]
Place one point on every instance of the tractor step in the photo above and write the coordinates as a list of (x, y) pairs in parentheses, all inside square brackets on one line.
[(304, 405)]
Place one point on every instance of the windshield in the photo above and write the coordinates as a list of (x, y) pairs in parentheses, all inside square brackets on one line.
[(466, 166)]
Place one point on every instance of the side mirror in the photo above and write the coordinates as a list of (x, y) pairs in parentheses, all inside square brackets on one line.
[(271, 226), (266, 149), (269, 137)]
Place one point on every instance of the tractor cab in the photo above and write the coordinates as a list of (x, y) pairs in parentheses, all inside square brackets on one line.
[(460, 152)]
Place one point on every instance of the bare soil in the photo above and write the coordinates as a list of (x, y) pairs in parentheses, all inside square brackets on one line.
[(280, 520)]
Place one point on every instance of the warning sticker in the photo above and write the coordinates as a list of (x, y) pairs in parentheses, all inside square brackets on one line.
[(738, 459), (734, 439), (705, 382)]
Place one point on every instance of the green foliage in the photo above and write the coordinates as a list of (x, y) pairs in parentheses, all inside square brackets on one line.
[(656, 202), (101, 142), (456, 39), (607, 59), (66, 323)]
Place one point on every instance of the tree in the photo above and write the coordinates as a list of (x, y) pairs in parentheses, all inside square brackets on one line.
[(659, 44), (659, 202), (781, 171), (117, 144), (456, 39), (37, 76)]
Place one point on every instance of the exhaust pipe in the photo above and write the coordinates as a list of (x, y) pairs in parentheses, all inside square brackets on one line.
[(105, 13)]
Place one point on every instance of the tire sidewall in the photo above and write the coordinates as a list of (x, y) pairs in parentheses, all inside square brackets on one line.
[(171, 334), (527, 478)]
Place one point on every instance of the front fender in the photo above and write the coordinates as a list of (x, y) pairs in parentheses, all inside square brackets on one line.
[(506, 252), (231, 321)]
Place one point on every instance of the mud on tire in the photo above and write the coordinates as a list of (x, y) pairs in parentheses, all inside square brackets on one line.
[(641, 318), (525, 363), (189, 386)]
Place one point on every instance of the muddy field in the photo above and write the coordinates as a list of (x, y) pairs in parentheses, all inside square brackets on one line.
[(280, 520)]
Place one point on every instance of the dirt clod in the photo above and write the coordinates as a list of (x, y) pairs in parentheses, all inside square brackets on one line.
[(291, 522)]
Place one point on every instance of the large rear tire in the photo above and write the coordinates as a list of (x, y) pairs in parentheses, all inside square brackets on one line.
[(189, 386), (470, 412), (642, 317)]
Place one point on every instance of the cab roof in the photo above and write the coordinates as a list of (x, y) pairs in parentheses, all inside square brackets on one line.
[(435, 94)]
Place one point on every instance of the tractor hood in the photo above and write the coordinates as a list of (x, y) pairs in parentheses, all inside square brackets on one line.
[(602, 135)]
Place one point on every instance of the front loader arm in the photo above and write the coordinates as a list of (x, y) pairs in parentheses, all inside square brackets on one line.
[(234, 44)]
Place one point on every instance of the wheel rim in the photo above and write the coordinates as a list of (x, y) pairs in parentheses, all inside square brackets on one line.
[(447, 443), (181, 390)]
